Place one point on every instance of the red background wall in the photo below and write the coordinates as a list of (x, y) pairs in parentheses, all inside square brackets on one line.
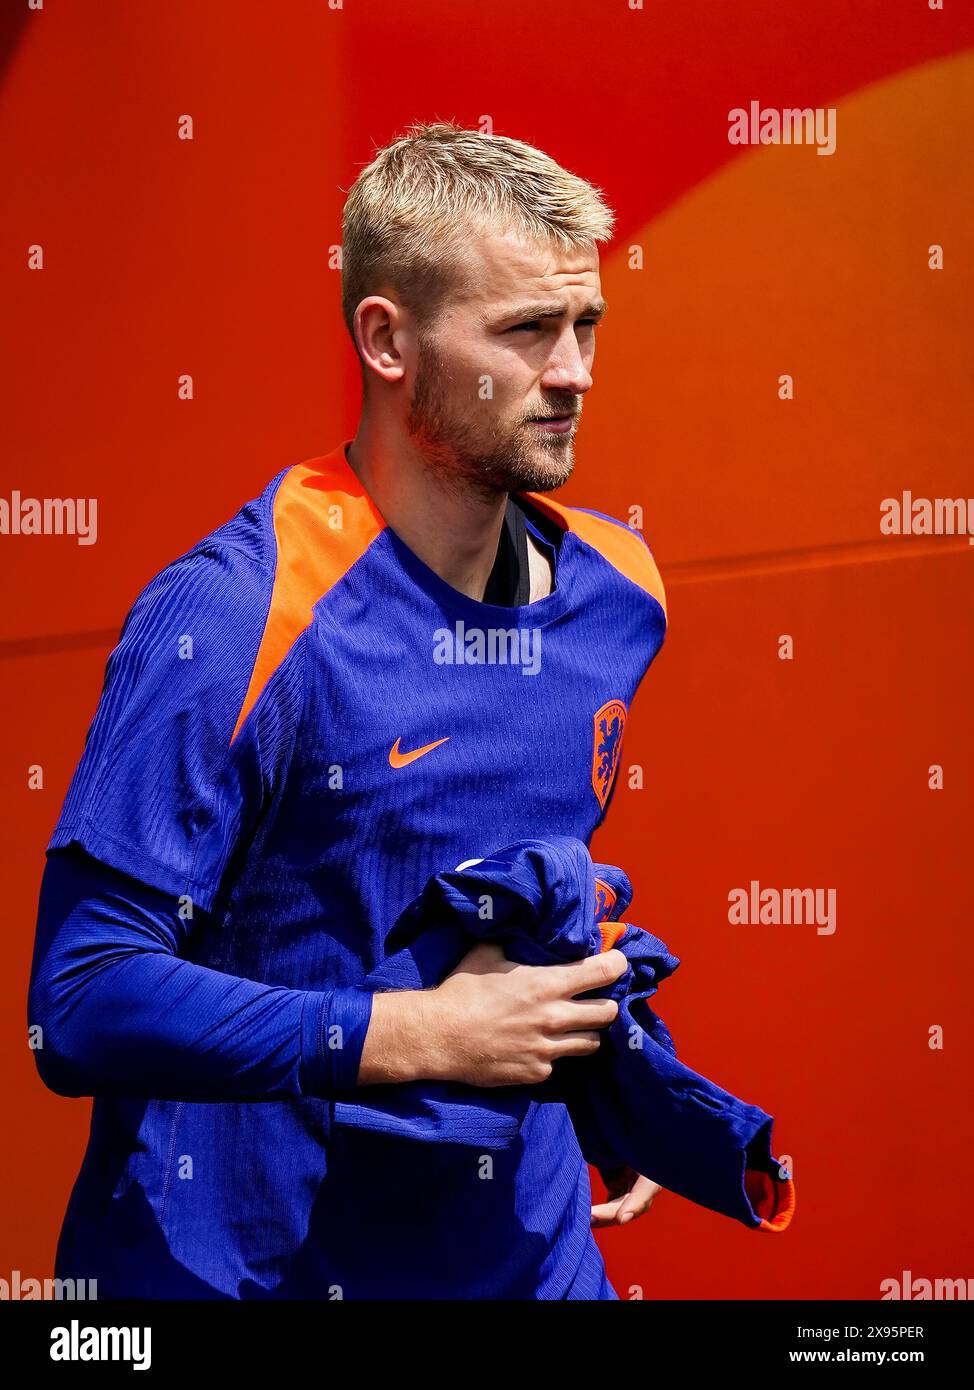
[(211, 257)]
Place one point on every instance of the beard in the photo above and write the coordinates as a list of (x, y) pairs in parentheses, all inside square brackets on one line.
[(464, 448)]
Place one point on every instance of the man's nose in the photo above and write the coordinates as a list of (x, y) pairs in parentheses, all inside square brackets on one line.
[(566, 369)]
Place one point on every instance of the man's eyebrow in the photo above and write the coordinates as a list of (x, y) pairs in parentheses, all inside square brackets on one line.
[(593, 310)]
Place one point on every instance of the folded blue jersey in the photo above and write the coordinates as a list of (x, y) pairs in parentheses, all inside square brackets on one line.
[(633, 1102)]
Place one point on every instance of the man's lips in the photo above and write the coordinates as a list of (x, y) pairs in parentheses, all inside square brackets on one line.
[(558, 424)]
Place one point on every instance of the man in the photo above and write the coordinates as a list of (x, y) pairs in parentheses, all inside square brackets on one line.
[(401, 656)]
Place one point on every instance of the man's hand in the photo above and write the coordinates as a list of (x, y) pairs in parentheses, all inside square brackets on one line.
[(504, 1024), (629, 1195), (491, 1022)]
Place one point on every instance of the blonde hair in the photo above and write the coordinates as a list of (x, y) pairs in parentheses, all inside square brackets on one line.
[(408, 211)]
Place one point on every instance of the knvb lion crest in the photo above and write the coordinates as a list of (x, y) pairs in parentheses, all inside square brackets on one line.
[(609, 722), (605, 900)]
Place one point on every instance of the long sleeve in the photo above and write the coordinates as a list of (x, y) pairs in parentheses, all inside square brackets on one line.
[(121, 1013)]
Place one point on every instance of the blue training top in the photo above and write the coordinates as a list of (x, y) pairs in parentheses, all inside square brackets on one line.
[(300, 724)]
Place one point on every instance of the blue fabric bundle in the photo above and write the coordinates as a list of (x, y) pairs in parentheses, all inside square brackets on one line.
[(633, 1103)]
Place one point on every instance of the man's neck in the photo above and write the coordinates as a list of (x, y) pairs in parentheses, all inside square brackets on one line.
[(539, 567), (455, 533)]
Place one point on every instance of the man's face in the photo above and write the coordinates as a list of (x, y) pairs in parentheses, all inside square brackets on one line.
[(514, 344)]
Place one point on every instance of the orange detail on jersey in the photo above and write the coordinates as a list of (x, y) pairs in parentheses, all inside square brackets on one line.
[(610, 724), (618, 544), (605, 899), (610, 932), (397, 759), (772, 1199), (313, 554)]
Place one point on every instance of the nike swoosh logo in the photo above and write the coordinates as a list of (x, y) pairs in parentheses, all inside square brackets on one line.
[(397, 759)]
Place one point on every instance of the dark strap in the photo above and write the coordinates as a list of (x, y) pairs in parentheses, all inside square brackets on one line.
[(521, 543), (505, 584), (510, 579)]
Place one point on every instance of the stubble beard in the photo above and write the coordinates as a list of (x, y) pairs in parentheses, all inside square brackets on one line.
[(490, 457)]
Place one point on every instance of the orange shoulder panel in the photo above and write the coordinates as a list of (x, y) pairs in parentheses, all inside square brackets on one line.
[(315, 548), (616, 543)]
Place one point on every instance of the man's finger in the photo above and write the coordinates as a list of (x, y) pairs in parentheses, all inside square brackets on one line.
[(638, 1200), (604, 1213), (592, 972), (626, 1208)]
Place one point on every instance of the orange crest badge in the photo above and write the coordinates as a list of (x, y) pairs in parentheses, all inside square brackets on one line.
[(605, 900), (610, 723)]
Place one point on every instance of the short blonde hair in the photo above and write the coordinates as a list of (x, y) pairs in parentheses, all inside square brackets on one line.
[(408, 211)]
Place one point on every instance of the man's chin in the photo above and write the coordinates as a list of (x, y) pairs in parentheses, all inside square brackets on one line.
[(546, 470), (535, 465)]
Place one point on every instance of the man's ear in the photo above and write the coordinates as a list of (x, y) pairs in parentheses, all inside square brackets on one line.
[(376, 323)]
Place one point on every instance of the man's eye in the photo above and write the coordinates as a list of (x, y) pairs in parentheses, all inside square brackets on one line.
[(535, 324)]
